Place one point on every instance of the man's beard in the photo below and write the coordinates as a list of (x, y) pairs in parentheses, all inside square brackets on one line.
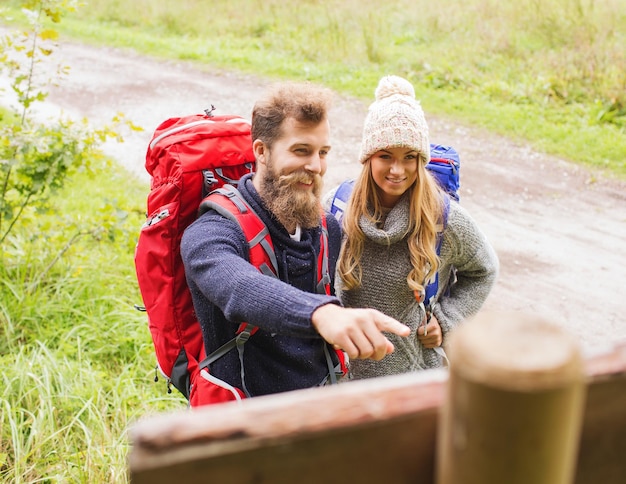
[(292, 206)]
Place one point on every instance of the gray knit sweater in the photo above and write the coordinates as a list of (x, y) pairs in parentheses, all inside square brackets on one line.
[(386, 264)]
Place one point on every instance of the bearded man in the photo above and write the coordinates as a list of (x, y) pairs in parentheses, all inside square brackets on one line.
[(300, 325)]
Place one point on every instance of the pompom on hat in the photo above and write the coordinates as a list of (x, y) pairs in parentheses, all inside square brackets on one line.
[(395, 119)]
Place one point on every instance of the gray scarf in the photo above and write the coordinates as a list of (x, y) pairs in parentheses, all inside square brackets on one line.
[(395, 225), (385, 264)]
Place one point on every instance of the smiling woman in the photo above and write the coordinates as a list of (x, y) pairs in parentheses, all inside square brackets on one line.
[(402, 232)]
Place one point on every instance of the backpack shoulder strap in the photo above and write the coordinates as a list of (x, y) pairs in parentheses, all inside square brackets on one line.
[(323, 287), (229, 203), (340, 199), (432, 288), (323, 276)]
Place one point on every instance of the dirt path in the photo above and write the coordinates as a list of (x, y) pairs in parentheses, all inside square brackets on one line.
[(560, 236)]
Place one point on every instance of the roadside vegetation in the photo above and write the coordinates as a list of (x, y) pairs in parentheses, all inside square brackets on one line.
[(77, 358), (549, 72)]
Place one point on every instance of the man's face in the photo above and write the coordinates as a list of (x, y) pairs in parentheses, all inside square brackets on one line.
[(301, 147), (291, 178)]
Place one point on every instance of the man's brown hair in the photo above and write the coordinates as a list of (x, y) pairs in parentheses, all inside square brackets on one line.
[(302, 101)]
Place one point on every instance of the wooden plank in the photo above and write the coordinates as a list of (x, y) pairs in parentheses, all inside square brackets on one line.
[(379, 430), (299, 436)]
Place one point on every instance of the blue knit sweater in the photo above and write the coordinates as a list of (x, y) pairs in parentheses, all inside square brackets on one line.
[(286, 353)]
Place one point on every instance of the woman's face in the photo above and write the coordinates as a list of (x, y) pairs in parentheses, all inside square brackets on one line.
[(394, 170)]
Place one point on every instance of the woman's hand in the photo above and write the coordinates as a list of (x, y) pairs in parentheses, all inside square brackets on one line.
[(430, 335)]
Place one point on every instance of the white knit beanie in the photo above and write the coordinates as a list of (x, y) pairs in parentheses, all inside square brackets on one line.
[(395, 120)]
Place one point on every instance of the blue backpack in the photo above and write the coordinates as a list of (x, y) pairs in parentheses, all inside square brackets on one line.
[(444, 165)]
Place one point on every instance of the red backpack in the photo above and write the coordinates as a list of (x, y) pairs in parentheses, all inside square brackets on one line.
[(188, 158)]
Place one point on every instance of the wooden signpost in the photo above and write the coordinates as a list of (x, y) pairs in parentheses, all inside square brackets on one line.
[(515, 403), (521, 401)]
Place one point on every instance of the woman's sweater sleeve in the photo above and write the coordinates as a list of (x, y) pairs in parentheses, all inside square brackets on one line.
[(466, 249)]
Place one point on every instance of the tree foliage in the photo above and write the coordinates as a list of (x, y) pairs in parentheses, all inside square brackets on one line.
[(38, 157)]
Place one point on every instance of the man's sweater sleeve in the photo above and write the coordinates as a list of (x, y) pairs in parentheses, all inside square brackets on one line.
[(215, 256)]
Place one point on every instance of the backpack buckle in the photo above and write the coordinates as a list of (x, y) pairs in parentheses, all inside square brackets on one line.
[(209, 180), (243, 337)]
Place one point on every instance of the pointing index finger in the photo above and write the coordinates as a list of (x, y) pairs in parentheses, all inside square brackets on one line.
[(386, 323)]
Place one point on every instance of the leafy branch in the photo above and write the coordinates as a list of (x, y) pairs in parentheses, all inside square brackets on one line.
[(37, 159)]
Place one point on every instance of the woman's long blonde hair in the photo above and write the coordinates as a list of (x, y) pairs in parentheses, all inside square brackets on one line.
[(426, 216)]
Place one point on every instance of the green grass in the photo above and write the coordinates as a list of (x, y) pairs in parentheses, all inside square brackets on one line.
[(551, 73), (77, 358)]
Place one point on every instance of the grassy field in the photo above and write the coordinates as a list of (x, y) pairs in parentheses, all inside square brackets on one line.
[(550, 72), (77, 357)]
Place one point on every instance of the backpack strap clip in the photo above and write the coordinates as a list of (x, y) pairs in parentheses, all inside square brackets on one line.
[(321, 285), (208, 180)]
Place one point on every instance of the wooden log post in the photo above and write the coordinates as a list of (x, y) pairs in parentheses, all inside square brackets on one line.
[(514, 406)]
